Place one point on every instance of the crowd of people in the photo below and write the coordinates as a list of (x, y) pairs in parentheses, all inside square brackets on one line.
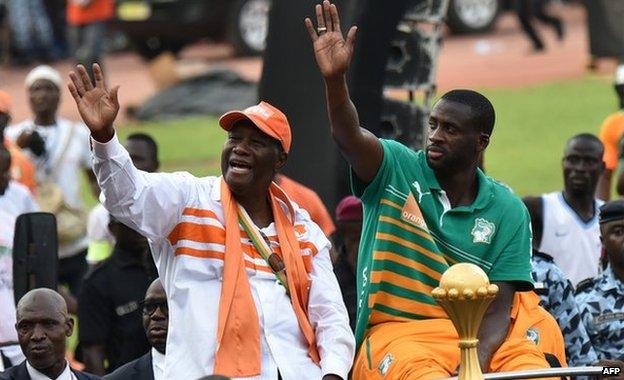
[(246, 275), (49, 30)]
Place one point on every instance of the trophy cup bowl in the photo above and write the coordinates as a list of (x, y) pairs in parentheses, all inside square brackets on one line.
[(465, 293)]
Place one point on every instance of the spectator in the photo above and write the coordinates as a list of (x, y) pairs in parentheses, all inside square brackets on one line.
[(144, 153), (349, 221), (31, 30), (601, 299), (22, 169), (43, 327), (526, 10), (155, 322), (15, 199), (211, 268), (308, 200), (110, 327), (422, 212), (612, 136), (60, 151), (87, 21), (565, 224)]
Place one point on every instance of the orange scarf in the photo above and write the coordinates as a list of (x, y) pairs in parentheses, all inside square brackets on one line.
[(238, 331)]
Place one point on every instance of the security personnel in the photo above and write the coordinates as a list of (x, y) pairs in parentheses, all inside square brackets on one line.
[(601, 299), (109, 310), (557, 297)]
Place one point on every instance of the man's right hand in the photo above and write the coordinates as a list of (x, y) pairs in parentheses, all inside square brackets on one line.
[(333, 53), (98, 106)]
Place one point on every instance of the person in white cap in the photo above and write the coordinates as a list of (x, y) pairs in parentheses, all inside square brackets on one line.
[(612, 136), (60, 151)]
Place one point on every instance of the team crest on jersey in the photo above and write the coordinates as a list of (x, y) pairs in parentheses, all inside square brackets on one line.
[(483, 231), (384, 366), (533, 335)]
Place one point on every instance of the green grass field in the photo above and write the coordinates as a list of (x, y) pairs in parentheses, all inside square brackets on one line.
[(532, 126)]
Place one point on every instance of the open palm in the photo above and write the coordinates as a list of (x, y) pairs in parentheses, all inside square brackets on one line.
[(98, 106), (333, 53)]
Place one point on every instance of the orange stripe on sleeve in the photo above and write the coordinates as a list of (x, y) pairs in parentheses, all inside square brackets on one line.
[(201, 233), (201, 213), (402, 281), (201, 253), (388, 202), (409, 306)]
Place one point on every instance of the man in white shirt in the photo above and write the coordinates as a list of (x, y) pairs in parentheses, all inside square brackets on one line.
[(43, 327), (565, 224), (59, 149), (15, 199), (254, 302), (155, 321)]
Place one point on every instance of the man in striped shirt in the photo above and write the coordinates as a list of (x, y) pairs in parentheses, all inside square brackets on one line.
[(424, 211), (248, 277)]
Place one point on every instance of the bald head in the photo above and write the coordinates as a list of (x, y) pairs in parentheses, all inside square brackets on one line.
[(156, 316), (43, 299), (42, 330)]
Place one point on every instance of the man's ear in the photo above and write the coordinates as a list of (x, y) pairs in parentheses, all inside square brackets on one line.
[(281, 160), (69, 325), (483, 141)]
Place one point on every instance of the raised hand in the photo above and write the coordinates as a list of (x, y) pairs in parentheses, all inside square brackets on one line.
[(333, 53), (98, 106)]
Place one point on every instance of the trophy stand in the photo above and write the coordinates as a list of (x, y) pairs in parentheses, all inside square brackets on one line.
[(465, 293)]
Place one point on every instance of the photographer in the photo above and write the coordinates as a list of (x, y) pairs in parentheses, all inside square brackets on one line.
[(59, 149)]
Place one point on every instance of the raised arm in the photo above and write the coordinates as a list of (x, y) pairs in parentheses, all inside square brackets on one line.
[(333, 55), (150, 203)]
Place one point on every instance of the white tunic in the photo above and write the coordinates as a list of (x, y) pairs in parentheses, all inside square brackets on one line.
[(183, 219), (574, 244)]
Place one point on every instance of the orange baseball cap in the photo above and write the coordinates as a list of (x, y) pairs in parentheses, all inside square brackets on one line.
[(267, 118), (5, 102)]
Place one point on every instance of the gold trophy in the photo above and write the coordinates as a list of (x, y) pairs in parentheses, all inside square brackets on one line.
[(465, 293)]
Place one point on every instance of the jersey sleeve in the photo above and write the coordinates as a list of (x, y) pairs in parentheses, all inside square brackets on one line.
[(150, 203), (393, 154), (514, 262)]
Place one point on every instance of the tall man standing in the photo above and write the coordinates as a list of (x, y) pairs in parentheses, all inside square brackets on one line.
[(252, 302), (565, 223), (422, 212)]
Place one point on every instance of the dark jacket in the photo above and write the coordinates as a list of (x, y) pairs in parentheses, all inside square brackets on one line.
[(139, 369), (19, 372)]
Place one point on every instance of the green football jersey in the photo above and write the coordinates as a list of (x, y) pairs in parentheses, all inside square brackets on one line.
[(411, 235)]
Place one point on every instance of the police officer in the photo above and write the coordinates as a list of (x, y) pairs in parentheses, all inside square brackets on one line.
[(601, 299), (557, 297)]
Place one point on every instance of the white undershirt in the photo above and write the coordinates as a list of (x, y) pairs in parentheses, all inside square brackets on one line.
[(67, 374)]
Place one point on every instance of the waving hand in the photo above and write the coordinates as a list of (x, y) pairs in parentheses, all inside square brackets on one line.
[(98, 106), (332, 51)]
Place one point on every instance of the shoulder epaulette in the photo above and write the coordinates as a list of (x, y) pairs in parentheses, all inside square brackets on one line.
[(543, 255), (581, 286)]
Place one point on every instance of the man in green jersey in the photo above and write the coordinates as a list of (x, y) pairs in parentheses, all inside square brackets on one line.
[(424, 211)]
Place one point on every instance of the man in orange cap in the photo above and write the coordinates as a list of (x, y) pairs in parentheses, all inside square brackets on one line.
[(22, 170), (247, 274)]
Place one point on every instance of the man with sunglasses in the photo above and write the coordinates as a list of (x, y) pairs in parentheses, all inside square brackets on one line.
[(110, 326), (565, 223), (155, 322)]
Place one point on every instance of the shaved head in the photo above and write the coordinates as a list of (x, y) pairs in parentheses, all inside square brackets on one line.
[(46, 299), (43, 327)]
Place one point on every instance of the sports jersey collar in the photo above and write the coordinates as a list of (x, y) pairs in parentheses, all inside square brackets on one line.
[(484, 195)]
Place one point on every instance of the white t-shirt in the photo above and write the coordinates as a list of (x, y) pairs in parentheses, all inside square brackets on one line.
[(74, 162), (574, 244), (15, 201)]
